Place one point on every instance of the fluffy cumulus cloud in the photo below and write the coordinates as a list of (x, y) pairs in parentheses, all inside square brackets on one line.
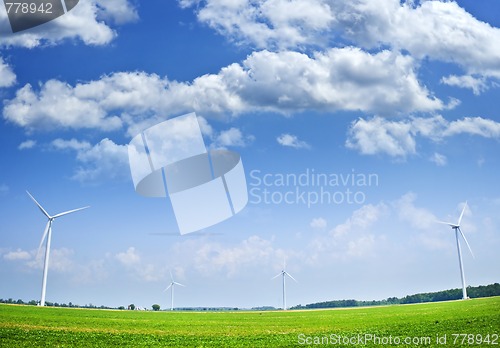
[(117, 11), (292, 141), (28, 144), (439, 159), (439, 30), (354, 238), (138, 268), (129, 257), (104, 160), (318, 223), (231, 137), (61, 260), (270, 23), (436, 29), (363, 234), (59, 105), (88, 22), (378, 135), (7, 76), (340, 79), (477, 85), (17, 255), (212, 257)]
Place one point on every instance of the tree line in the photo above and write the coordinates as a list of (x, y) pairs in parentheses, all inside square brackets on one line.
[(445, 295)]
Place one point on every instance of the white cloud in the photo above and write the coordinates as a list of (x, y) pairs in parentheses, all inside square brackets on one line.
[(118, 11), (103, 160), (355, 238), (60, 260), (439, 159), (419, 218), (17, 255), (378, 135), (477, 85), (138, 268), (271, 23), (7, 76), (129, 257), (210, 258), (339, 79), (85, 22), (28, 144), (292, 141), (95, 162), (474, 126), (441, 30), (232, 137), (57, 105), (318, 223), (73, 144), (361, 219), (398, 138)]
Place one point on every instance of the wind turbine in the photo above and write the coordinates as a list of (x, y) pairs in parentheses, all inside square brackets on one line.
[(284, 273), (48, 234), (457, 229), (172, 285)]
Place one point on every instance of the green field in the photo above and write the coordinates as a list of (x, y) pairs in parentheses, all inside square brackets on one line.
[(28, 326)]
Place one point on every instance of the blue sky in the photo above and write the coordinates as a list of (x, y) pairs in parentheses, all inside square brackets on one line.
[(404, 91)]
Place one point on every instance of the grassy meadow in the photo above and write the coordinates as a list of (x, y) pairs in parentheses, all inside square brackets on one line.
[(479, 319)]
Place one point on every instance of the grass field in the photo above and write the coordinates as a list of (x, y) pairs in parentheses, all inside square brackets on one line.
[(479, 319)]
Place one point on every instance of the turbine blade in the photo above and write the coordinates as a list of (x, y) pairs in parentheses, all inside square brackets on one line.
[(168, 287), (179, 284), (446, 223), (277, 275), (466, 242), (171, 277), (462, 214), (69, 212), (39, 206), (43, 238), (288, 274)]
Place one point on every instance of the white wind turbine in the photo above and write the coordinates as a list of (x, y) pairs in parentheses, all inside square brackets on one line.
[(172, 285), (457, 229), (48, 234), (284, 273)]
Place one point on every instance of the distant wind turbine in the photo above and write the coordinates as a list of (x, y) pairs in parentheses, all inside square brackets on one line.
[(172, 285), (284, 273), (48, 234), (457, 229)]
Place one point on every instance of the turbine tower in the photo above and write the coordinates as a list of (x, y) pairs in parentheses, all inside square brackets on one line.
[(48, 233), (172, 285), (284, 273), (457, 229)]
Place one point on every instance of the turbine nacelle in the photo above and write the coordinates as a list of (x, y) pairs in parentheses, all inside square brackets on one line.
[(457, 228)]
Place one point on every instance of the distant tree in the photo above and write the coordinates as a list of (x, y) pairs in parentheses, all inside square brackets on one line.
[(156, 307), (121, 308), (131, 306)]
